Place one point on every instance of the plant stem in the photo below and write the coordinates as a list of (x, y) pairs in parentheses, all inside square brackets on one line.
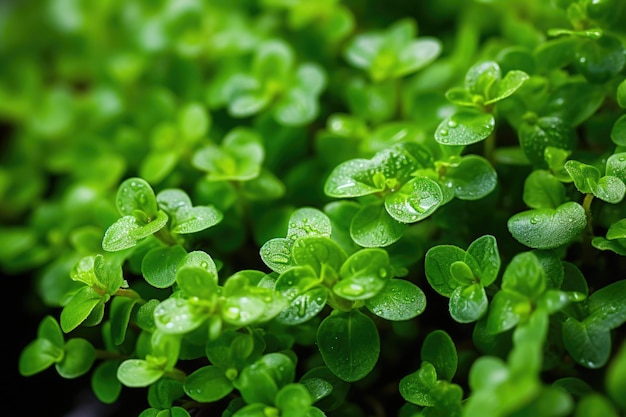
[(587, 256)]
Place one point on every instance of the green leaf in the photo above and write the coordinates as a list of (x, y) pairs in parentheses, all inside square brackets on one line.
[(484, 251), (193, 121), (207, 384), (239, 157), (416, 200), (525, 275), (437, 267), (616, 165), (293, 400), (416, 55), (120, 311), (542, 190), (605, 306), (547, 228), (615, 379), (296, 108), (472, 179), (261, 381), (276, 254), (416, 387), (583, 100), (177, 316), (106, 387), (621, 94), (589, 345), (349, 344), (372, 226), (482, 77), (468, 303), (318, 251), (587, 180), (511, 82), (136, 194), (186, 218), (465, 127), (196, 281), (399, 300), (38, 356), (79, 307), (506, 310), (598, 60), (308, 221), (595, 405), (545, 132), (137, 373), (618, 132), (159, 265), (127, 231), (363, 274), (439, 350), (79, 357)]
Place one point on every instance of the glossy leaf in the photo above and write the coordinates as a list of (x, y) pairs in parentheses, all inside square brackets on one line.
[(79, 357), (349, 344), (136, 194), (138, 373), (207, 384), (416, 200), (618, 132), (511, 82), (399, 300), (437, 267), (468, 303), (159, 266), (439, 350), (416, 387), (318, 251), (589, 345), (600, 59), (547, 228), (465, 127), (484, 251), (542, 190), (372, 226), (545, 132)]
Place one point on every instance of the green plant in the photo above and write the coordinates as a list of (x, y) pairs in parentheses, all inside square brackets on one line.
[(307, 208)]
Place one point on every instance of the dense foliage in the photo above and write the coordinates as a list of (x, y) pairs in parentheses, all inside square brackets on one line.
[(303, 208)]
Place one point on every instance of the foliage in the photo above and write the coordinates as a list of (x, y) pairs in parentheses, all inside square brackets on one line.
[(319, 207)]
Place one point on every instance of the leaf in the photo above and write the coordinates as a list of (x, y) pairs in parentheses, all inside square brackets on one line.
[(585, 176), (276, 254), (618, 132), (196, 281), (542, 190), (482, 77), (363, 274), (437, 267), (159, 265), (318, 251), (372, 226), (616, 165), (207, 384), (465, 127), (136, 194), (79, 307), (472, 179), (595, 405), (606, 307), (177, 316), (293, 400), (468, 303), (506, 310), (308, 221), (137, 373), (439, 350), (417, 386), (598, 60), (349, 344), (185, 217), (79, 357), (589, 346), (484, 250), (296, 108), (574, 102), (416, 200), (399, 300), (511, 82), (615, 378), (525, 275), (304, 306), (547, 228), (546, 132), (416, 55)]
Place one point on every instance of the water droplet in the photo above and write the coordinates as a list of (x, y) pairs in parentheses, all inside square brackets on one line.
[(452, 124), (534, 220), (443, 132), (279, 259), (621, 159), (382, 272), (204, 264)]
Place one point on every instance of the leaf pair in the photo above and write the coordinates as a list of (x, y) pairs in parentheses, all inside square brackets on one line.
[(609, 187), (431, 386), (462, 275), (483, 87), (274, 83), (392, 53), (144, 214)]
